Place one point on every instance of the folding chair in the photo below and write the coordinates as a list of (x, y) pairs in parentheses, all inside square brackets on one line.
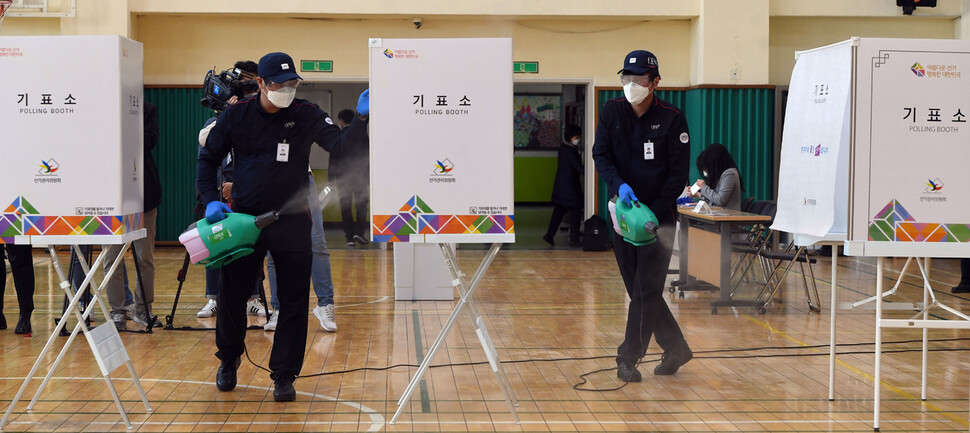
[(759, 237), (746, 204), (788, 258)]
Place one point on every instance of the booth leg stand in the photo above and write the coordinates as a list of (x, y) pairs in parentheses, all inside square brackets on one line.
[(832, 331), (466, 291), (878, 383), (101, 339)]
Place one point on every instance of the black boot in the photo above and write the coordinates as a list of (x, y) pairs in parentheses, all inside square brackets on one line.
[(226, 376), (3, 322), (627, 371), (284, 390), (23, 325)]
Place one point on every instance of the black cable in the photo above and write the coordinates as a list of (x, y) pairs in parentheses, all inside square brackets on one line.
[(700, 353)]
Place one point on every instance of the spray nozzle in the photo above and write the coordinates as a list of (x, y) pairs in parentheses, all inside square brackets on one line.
[(266, 219)]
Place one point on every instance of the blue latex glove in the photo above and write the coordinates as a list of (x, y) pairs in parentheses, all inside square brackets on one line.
[(216, 211), (626, 195), (363, 103)]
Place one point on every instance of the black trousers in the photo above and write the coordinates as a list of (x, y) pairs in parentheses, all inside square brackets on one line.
[(353, 195), (288, 240), (644, 271), (575, 219), (22, 267)]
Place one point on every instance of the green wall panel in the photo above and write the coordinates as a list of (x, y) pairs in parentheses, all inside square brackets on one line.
[(742, 119), (180, 117), (534, 176)]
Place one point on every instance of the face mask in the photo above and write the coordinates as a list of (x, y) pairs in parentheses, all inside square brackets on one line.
[(705, 174), (575, 142), (281, 98), (635, 93)]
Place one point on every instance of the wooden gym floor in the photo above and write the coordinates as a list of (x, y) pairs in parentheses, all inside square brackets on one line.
[(553, 315)]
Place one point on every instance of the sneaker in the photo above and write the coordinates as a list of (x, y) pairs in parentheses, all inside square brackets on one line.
[(961, 288), (129, 311), (273, 319), (208, 310), (360, 240), (119, 317), (255, 308), (548, 239), (324, 313), (627, 371), (672, 361), (284, 390), (142, 319), (351, 244), (226, 376)]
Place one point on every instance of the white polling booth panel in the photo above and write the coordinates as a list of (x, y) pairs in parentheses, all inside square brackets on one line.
[(909, 175), (814, 172), (441, 140), (72, 139)]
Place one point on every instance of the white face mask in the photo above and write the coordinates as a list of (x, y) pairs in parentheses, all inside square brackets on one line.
[(575, 142), (635, 93), (281, 98)]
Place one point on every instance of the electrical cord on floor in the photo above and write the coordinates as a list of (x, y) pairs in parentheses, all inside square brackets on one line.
[(697, 355)]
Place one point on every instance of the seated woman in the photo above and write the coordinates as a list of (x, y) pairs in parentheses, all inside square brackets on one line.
[(721, 185)]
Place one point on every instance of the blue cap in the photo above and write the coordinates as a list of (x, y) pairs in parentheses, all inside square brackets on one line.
[(277, 67), (638, 62)]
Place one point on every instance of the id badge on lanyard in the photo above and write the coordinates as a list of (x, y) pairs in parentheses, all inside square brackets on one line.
[(282, 151), (648, 150)]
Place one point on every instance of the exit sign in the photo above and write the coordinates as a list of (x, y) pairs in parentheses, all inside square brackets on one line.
[(525, 67), (316, 65)]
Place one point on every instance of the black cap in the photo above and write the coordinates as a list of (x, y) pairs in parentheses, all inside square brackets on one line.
[(638, 62), (277, 67)]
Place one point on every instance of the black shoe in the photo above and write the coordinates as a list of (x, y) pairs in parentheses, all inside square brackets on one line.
[(284, 390), (3, 322), (959, 288), (360, 240), (627, 371), (672, 361), (23, 325), (226, 376), (548, 239)]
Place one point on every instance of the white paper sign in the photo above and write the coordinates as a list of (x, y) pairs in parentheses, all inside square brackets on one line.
[(811, 188), (441, 140)]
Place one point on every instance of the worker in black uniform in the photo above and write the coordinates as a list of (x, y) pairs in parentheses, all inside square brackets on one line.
[(642, 151), (270, 136)]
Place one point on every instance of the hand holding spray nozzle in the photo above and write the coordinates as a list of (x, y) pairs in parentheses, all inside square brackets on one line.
[(218, 244)]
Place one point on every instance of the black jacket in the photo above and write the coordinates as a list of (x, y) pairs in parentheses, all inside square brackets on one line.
[(352, 161), (153, 184), (621, 143), (567, 190), (262, 182)]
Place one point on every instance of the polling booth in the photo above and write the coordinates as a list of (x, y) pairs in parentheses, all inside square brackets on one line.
[(873, 149), (72, 139), (441, 161), (441, 169), (908, 175), (813, 193)]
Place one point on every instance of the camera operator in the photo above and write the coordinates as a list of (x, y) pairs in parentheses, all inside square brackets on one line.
[(241, 82), (270, 137)]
